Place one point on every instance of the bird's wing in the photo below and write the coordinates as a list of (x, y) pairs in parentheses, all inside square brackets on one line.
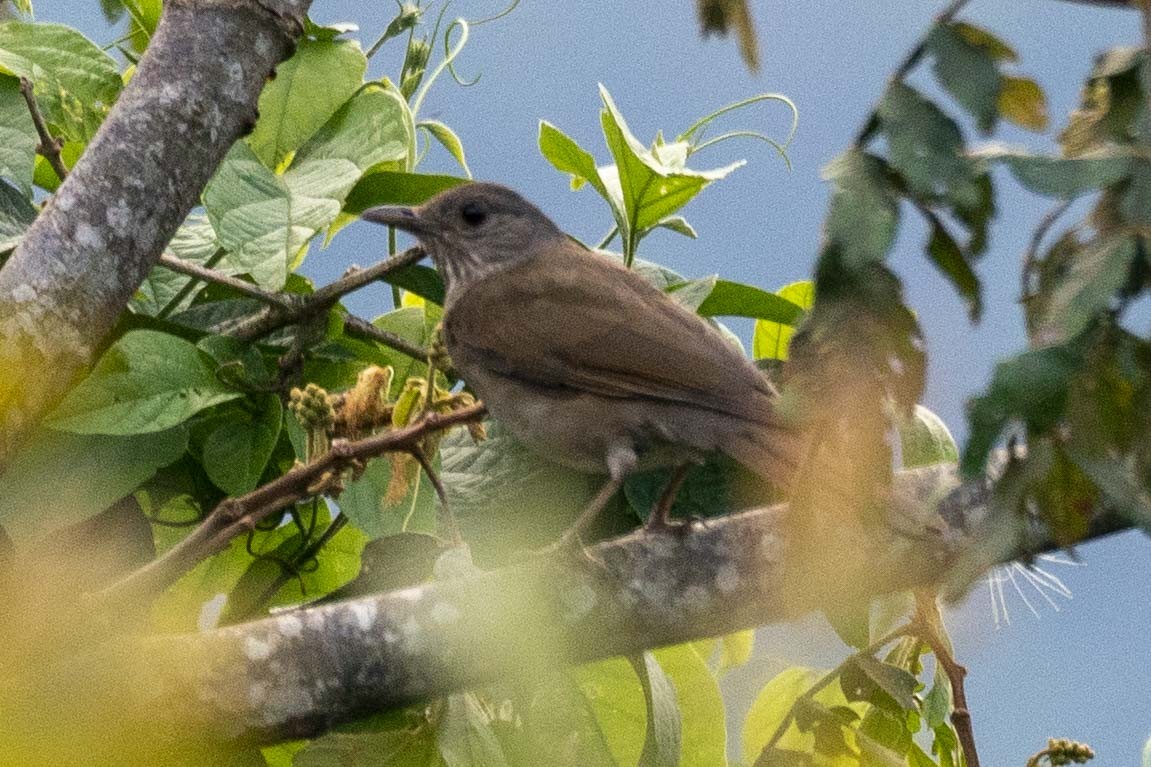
[(583, 322)]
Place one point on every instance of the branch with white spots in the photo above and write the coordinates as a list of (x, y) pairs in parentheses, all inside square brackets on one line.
[(193, 95), (302, 672)]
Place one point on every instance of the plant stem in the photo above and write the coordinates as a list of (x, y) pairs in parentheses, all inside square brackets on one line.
[(49, 147)]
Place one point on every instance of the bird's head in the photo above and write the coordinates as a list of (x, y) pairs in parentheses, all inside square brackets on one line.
[(473, 230)]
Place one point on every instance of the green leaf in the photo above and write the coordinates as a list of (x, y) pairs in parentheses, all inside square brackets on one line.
[(1021, 101), (969, 73), (308, 89), (693, 293), (927, 148), (679, 225), (879, 683), (1032, 388), (1088, 288), (734, 299), (366, 504), (716, 487), (662, 741), (194, 241), (58, 479), (1065, 178), (981, 38), (448, 140), (146, 382), (699, 701), (937, 702), (864, 212), (388, 187), (616, 700), (771, 707), (16, 215), (18, 137), (650, 187), (505, 495), (926, 440), (569, 157), (236, 453), (265, 221), (390, 748), (945, 253), (423, 281), (771, 338), (851, 621), (75, 82)]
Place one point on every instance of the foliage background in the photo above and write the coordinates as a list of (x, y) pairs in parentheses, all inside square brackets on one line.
[(1063, 673)]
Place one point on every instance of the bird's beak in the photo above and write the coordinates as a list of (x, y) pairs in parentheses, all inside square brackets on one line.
[(407, 219)]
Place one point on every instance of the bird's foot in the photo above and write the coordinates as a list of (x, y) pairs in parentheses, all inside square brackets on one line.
[(660, 524)]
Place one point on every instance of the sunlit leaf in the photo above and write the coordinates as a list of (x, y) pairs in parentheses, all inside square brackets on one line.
[(1021, 101)]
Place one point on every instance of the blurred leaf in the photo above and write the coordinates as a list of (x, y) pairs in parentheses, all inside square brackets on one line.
[(1032, 388), (388, 748), (58, 479), (307, 90), (985, 40), (448, 140), (237, 451), (718, 486), (465, 737), (75, 82), (926, 441), (393, 562), (937, 702), (968, 71), (1021, 101), (18, 138), (662, 741), (146, 382), (852, 622), (772, 338), (1088, 288), (927, 149), (945, 253), (265, 221), (699, 702), (616, 700), (720, 15), (16, 215), (864, 213), (1065, 179)]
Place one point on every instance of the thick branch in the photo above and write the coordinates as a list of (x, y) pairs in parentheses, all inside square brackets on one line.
[(192, 96), (234, 516), (301, 672)]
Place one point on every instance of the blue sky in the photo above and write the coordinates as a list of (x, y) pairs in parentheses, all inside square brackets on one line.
[(1083, 672)]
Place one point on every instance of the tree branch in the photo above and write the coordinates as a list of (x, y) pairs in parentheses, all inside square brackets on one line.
[(193, 94), (234, 516), (49, 147), (301, 672), (323, 299)]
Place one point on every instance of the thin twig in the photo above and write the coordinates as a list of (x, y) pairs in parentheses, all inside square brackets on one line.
[(234, 516), (913, 57), (50, 146), (929, 622), (323, 299), (191, 269), (450, 521), (357, 326), (174, 303)]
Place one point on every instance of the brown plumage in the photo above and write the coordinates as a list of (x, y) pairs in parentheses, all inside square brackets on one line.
[(580, 357)]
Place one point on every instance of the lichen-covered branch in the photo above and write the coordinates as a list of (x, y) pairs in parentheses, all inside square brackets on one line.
[(301, 672), (193, 95)]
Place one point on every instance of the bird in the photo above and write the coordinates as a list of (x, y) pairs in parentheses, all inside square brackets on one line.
[(582, 359)]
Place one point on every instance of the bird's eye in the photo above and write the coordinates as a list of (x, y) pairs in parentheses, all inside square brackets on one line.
[(473, 214)]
